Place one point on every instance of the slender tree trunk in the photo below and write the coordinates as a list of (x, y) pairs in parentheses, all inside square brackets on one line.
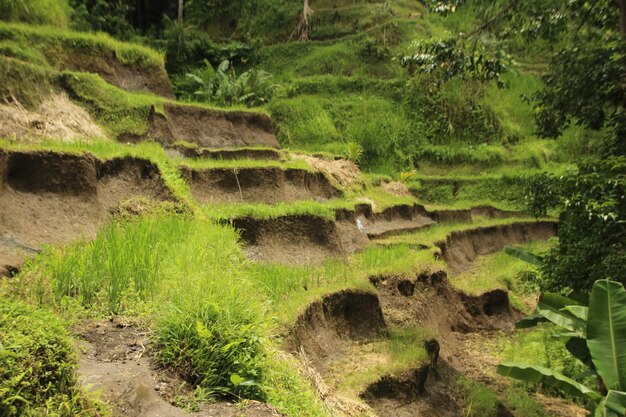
[(304, 26), (622, 17), (180, 11)]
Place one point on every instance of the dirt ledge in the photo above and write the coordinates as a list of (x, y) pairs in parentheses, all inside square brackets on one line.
[(53, 198)]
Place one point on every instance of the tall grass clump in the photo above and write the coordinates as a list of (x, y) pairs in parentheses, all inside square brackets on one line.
[(190, 280), (39, 12)]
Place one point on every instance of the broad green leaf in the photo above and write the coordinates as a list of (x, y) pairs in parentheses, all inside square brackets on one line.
[(581, 312), (548, 377), (551, 306), (524, 255), (606, 332), (613, 405), (530, 321), (236, 379)]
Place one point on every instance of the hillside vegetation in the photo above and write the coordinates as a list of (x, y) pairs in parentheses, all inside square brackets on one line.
[(317, 208)]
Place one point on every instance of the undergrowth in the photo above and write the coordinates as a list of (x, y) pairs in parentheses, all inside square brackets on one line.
[(38, 366)]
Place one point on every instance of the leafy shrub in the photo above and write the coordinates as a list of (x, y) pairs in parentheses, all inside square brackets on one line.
[(592, 229), (37, 365), (541, 194), (102, 16), (40, 12), (224, 87)]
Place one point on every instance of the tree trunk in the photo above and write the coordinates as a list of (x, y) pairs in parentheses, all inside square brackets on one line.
[(622, 17), (180, 11), (304, 26)]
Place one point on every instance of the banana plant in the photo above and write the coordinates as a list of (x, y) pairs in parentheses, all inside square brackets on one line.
[(596, 336)]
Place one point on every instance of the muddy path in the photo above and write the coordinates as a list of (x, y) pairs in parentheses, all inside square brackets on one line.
[(117, 363)]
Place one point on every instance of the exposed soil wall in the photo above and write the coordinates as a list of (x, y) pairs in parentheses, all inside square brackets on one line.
[(348, 315), (394, 220), (263, 185), (298, 239), (429, 301), (209, 128), (226, 154), (461, 248), (50, 198)]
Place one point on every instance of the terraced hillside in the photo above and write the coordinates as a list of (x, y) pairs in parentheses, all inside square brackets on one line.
[(340, 251)]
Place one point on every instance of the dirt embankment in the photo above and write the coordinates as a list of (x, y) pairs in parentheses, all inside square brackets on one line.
[(429, 301), (324, 328), (209, 128), (53, 198), (467, 215), (394, 220), (343, 323), (298, 239), (259, 185), (461, 248), (225, 154)]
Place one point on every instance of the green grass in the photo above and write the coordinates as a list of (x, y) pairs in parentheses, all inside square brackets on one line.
[(188, 279), (38, 365), (39, 12), (60, 46)]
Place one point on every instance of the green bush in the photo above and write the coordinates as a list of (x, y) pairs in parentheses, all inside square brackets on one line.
[(39, 12), (37, 365), (592, 228)]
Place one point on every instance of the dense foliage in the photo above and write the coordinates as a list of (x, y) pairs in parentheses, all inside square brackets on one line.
[(592, 230), (37, 365), (596, 335)]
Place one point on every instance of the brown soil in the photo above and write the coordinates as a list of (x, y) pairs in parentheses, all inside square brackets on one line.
[(461, 248), (395, 220), (429, 301), (259, 185), (210, 128), (326, 326), (225, 154), (423, 392), (53, 198), (117, 362), (467, 215), (298, 239)]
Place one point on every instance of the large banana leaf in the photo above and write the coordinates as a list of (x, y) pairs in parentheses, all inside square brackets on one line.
[(552, 307), (606, 332), (545, 376), (613, 405)]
